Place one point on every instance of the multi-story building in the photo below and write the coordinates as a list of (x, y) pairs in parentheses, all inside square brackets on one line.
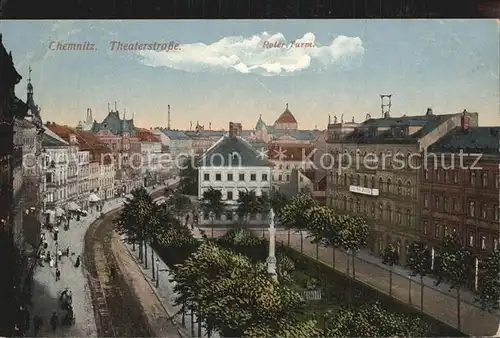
[(286, 159), (56, 173), (202, 140), (151, 150), (120, 135), (375, 171), (83, 158), (232, 165), (101, 179), (177, 141), (459, 189)]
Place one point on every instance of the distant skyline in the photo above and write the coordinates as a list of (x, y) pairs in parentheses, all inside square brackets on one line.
[(226, 70)]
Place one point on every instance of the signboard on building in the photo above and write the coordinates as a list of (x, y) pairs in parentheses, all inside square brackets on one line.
[(363, 190)]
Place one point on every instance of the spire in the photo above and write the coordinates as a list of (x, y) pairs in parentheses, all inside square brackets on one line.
[(108, 108), (30, 89), (329, 119), (287, 106)]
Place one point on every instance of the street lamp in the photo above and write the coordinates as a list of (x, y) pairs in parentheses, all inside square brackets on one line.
[(271, 259), (157, 273)]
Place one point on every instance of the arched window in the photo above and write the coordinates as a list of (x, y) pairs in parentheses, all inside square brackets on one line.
[(472, 179), (426, 174), (389, 184), (381, 160), (350, 204), (398, 247), (380, 211), (373, 182), (351, 179), (358, 180), (400, 188), (408, 218), (389, 160), (373, 210), (365, 181), (398, 216), (381, 184), (408, 188), (337, 178), (358, 205), (485, 179), (345, 179), (389, 213)]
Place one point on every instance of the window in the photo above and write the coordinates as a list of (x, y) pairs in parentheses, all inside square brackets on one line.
[(373, 210), (229, 177), (496, 181), (408, 218), (389, 213), (400, 188), (230, 195), (455, 176), (398, 216), (351, 180), (426, 174), (445, 204), (206, 177), (242, 177), (389, 183), (217, 217), (253, 177), (373, 182), (264, 177), (358, 180), (436, 202), (446, 177), (229, 216), (345, 202), (350, 207), (438, 175), (381, 211), (381, 185), (205, 216), (472, 209), (287, 167), (495, 212), (437, 230), (471, 239), (358, 205), (484, 211), (472, 179), (495, 243), (287, 178), (445, 230), (280, 178), (483, 242), (281, 166), (345, 179), (408, 188), (365, 181), (485, 179), (218, 177)]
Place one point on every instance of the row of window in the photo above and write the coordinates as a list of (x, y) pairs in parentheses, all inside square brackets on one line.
[(401, 190), (230, 216), (230, 177), (398, 216), (233, 195), (474, 178), (441, 231), (453, 205)]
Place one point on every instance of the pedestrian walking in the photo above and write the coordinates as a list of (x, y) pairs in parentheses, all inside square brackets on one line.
[(59, 254), (37, 324), (56, 235), (54, 321), (45, 244), (51, 262), (58, 274), (77, 263), (67, 251)]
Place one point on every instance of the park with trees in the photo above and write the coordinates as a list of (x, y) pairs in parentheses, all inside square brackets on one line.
[(224, 280)]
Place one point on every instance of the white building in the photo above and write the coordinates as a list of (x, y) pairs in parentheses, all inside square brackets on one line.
[(232, 165), (56, 156), (177, 142)]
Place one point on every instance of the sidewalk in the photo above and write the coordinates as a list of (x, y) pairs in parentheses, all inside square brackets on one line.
[(46, 290)]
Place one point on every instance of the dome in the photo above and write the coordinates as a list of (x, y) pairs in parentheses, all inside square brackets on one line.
[(286, 117), (261, 125)]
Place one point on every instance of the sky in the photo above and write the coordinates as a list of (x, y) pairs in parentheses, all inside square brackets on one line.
[(224, 70)]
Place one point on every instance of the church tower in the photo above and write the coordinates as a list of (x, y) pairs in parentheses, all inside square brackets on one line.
[(30, 102)]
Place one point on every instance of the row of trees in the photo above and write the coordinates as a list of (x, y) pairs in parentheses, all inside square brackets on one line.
[(351, 233)]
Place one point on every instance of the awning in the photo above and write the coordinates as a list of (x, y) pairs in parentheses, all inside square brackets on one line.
[(72, 206), (59, 211), (94, 198)]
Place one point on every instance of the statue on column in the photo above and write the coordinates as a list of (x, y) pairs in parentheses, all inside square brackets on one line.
[(335, 119)]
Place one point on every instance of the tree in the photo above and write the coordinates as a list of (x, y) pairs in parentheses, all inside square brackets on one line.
[(456, 262), (489, 290), (247, 204), (390, 257), (278, 201), (212, 203), (352, 236), (179, 203), (321, 226), (294, 214), (188, 183), (419, 261), (372, 320), (237, 297)]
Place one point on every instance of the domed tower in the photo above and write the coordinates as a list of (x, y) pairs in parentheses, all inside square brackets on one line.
[(286, 121), (261, 125)]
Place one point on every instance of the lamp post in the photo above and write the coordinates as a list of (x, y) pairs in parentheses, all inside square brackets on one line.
[(271, 259), (157, 273)]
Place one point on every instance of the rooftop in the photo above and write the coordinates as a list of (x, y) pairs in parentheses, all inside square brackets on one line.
[(286, 117), (233, 152), (480, 140)]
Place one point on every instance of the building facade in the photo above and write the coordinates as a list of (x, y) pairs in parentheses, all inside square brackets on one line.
[(459, 190), (375, 172), (231, 165)]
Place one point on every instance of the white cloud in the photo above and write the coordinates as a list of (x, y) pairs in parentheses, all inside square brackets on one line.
[(249, 55)]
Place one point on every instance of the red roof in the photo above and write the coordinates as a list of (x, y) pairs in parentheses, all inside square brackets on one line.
[(288, 153), (286, 117), (87, 141), (146, 135)]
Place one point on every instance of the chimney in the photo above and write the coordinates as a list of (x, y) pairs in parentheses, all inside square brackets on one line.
[(234, 129), (464, 120), (429, 112), (368, 116)]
